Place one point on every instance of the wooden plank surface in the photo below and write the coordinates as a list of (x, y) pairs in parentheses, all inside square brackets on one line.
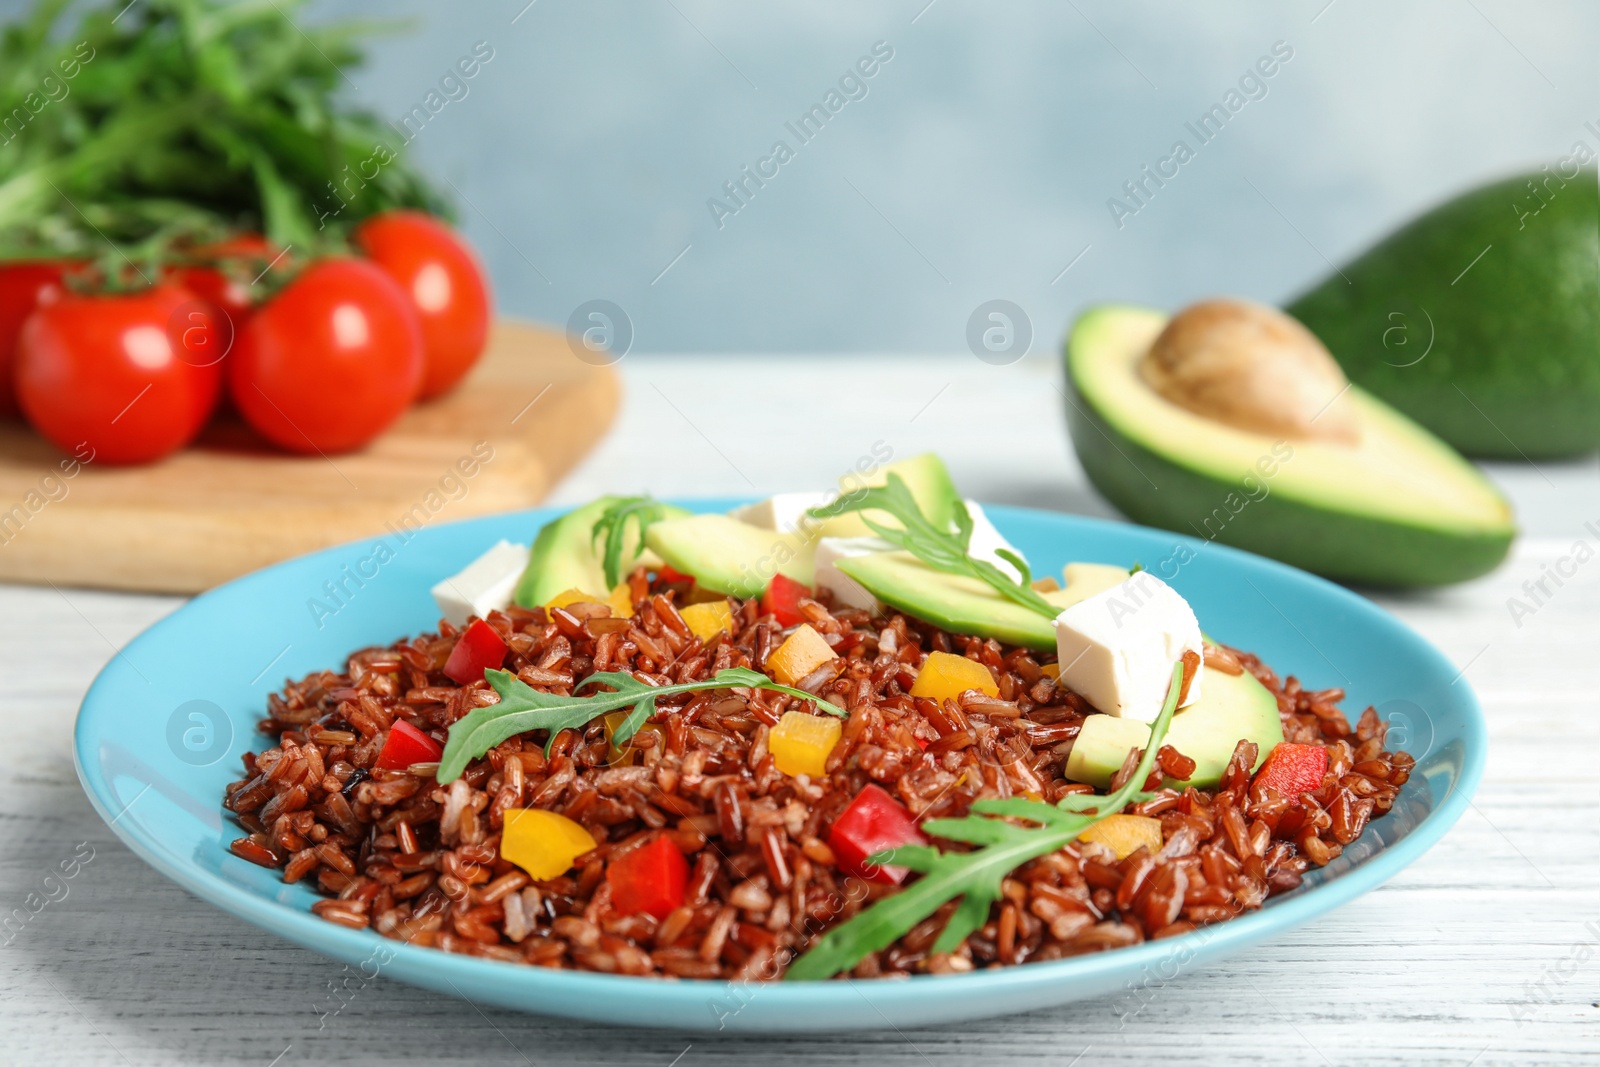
[(231, 504), (1474, 955)]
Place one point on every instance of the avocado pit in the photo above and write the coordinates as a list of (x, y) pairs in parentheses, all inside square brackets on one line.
[(1252, 368)]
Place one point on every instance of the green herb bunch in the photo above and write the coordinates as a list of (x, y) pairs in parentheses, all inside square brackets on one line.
[(149, 127)]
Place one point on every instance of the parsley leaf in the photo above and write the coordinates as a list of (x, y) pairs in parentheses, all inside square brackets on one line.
[(523, 708), (939, 549), (974, 876)]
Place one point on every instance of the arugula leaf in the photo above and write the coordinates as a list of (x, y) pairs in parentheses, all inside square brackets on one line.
[(136, 131), (974, 876), (523, 708), (939, 549), (643, 512)]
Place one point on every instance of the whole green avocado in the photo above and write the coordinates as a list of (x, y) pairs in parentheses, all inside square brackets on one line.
[(1481, 318)]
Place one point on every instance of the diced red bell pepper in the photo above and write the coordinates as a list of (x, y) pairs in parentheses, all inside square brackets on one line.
[(670, 575), (873, 822), (477, 650), (650, 879), (1291, 770), (406, 745), (782, 600)]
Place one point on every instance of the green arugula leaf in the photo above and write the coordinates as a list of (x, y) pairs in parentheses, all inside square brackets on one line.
[(137, 132), (643, 512), (939, 549), (974, 876), (523, 708)]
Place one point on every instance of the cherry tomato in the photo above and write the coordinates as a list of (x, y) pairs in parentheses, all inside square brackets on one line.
[(248, 253), (21, 286), (445, 284), (331, 361), (128, 373)]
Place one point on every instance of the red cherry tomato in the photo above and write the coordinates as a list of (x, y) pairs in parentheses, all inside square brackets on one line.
[(873, 822), (782, 600), (406, 745), (478, 649), (651, 879), (130, 374), (330, 362), (21, 286), (249, 251), (443, 281)]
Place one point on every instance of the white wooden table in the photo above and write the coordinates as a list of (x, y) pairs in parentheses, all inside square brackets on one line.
[(1487, 951)]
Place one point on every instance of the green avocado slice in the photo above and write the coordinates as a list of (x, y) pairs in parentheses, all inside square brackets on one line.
[(564, 557), (729, 556), (924, 474), (1398, 509), (1231, 708), (957, 603)]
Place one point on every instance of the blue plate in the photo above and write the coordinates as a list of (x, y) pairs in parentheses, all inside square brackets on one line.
[(161, 730)]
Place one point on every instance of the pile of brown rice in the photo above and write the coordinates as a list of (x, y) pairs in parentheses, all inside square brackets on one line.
[(419, 862)]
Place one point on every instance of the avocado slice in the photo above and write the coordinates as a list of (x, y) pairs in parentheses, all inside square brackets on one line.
[(564, 557), (1481, 318), (927, 478), (1396, 508), (729, 556), (1231, 708), (960, 604)]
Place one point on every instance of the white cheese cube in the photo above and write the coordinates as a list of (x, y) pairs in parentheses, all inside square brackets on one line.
[(485, 585), (785, 513), (1117, 648), (846, 590), (986, 541)]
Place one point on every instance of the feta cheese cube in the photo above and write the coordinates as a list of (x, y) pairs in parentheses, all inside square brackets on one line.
[(785, 513), (986, 541), (846, 590), (1117, 648), (485, 585)]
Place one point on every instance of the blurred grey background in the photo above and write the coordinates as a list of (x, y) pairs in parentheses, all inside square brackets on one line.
[(975, 164)]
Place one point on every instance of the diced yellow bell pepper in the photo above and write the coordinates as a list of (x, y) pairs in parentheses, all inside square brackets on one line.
[(1124, 834), (800, 743), (621, 601), (1051, 670), (945, 676), (803, 652), (630, 755), (541, 842), (709, 619), (573, 596)]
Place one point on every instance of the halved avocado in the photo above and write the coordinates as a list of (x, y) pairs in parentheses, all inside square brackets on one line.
[(728, 556), (924, 474), (564, 557), (1397, 507), (960, 604), (1231, 708)]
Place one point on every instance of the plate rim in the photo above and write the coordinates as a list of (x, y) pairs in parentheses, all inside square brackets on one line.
[(421, 965)]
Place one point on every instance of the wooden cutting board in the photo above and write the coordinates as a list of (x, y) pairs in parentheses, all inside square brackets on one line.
[(230, 503)]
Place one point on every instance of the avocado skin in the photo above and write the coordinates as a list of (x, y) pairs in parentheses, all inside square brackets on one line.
[(1514, 371), (1347, 547)]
